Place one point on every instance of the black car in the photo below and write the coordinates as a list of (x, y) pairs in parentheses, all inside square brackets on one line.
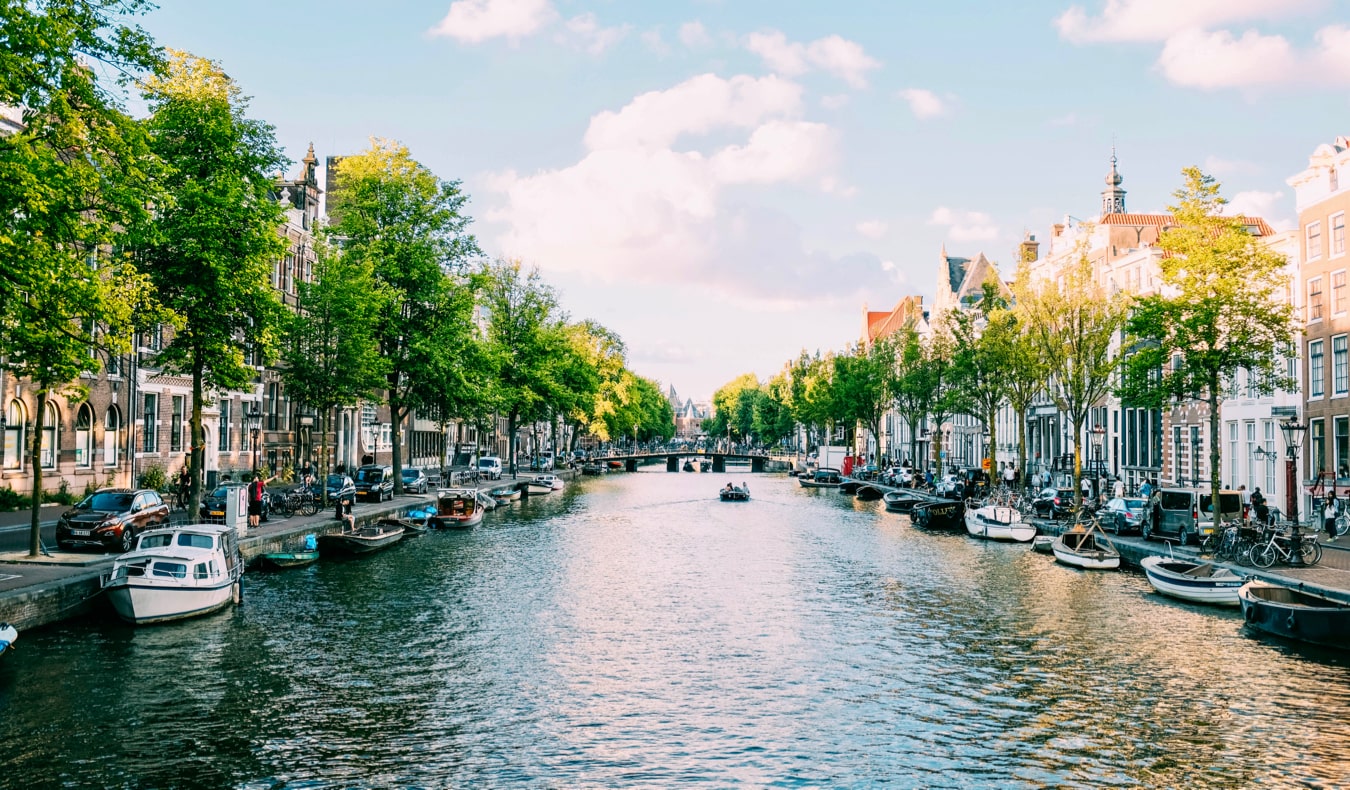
[(213, 504), (111, 518), (339, 487), (1053, 503), (414, 481), (376, 482)]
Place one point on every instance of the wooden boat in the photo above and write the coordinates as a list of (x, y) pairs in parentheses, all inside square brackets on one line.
[(735, 494), (903, 501), (850, 485), (175, 573), (1088, 549), (1295, 614), (822, 478), (410, 526), (1199, 582), (1044, 544), (457, 508), (998, 522), (869, 493), (945, 514), (505, 494), (362, 540), (537, 487), (306, 553), (8, 636)]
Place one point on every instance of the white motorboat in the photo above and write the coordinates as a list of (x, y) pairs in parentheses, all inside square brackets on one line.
[(175, 573), (1200, 582), (8, 636), (1043, 544), (536, 486), (997, 522), (1089, 550), (554, 482)]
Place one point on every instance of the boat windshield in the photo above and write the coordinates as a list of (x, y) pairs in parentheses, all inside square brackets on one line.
[(195, 540), (174, 570), (155, 541)]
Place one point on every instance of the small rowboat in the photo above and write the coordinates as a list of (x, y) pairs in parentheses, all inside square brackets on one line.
[(1088, 550), (868, 493), (1043, 544), (8, 636), (363, 540), (1199, 582), (410, 526), (1294, 614), (280, 560)]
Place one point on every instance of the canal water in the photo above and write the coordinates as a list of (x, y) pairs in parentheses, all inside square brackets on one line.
[(634, 631)]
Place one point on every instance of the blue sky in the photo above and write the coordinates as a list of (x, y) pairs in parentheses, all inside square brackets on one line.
[(727, 182)]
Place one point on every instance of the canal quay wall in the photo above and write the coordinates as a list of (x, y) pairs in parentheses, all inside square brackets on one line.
[(64, 585)]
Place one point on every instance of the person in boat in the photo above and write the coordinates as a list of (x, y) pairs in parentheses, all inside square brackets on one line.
[(727, 490), (745, 487), (343, 512)]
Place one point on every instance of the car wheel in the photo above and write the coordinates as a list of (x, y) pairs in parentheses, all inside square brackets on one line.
[(1183, 537), (128, 539), (1146, 531)]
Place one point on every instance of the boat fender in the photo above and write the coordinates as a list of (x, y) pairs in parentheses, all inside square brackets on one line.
[(238, 592), (1250, 614), (1291, 622)]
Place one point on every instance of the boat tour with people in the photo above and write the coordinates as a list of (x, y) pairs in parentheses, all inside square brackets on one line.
[(456, 508), (998, 522), (1192, 580), (734, 493), (176, 573), (1295, 614)]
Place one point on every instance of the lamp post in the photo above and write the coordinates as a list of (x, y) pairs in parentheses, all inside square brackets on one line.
[(4, 436), (254, 417), (1294, 433)]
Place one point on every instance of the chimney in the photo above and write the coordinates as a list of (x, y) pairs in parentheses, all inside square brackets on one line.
[(1056, 230), (1030, 249)]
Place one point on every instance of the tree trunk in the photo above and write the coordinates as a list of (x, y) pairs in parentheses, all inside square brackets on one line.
[(35, 456), (1078, 458), (1214, 476), (1022, 472), (196, 474), (511, 438), (993, 443), (325, 423), (396, 413)]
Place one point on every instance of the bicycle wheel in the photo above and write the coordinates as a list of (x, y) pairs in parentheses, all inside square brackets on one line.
[(1311, 551), (1342, 524), (1263, 556), (309, 505)]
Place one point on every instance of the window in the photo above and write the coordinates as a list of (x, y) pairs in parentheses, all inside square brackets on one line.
[(1338, 234), (224, 443), (1269, 427), (1196, 471), (47, 453), (112, 429), (16, 417), (273, 418), (1232, 454), (1338, 292), (1316, 374), (1314, 240), (1251, 454), (84, 436), (176, 425), (150, 433), (1315, 299), (1340, 370), (1342, 426), (1317, 438)]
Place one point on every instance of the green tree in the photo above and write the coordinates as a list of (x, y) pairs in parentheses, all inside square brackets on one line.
[(1026, 372), (733, 410), (983, 349), (589, 369), (865, 385), (211, 248), (330, 358), (1222, 310), (394, 213), (74, 178), (773, 414), (1075, 325), (524, 338), (915, 384)]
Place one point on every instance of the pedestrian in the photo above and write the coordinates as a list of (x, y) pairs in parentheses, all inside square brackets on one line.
[(1146, 490), (1259, 510), (1009, 476), (255, 499), (1086, 486), (1329, 516), (1119, 490)]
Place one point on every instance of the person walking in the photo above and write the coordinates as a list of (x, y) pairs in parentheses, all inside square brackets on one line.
[(1329, 516), (1119, 490)]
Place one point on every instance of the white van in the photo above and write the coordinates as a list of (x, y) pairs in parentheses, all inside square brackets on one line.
[(490, 467)]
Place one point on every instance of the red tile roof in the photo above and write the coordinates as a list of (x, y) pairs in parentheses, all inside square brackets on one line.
[(1164, 220)]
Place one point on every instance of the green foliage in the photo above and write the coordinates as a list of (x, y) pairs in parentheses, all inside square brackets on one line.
[(985, 347), (13, 500), (865, 384), (152, 477)]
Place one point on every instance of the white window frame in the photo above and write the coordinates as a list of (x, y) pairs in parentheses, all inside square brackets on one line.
[(1340, 365), (1317, 376), (1315, 288), (1332, 251), (1313, 231)]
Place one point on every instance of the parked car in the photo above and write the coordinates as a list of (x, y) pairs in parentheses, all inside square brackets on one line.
[(1053, 503), (111, 518), (339, 486), (1124, 514), (542, 462), (213, 504), (415, 481), (1185, 513), (490, 467), (375, 481)]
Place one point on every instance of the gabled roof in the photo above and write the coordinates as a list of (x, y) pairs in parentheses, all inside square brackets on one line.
[(1165, 220), (908, 312)]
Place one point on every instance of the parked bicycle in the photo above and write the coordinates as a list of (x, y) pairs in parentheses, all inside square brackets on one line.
[(299, 500), (1279, 548)]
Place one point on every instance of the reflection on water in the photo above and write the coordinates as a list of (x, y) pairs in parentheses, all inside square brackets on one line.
[(635, 631)]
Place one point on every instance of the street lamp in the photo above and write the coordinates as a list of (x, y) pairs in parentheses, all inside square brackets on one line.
[(1294, 433), (254, 418), (4, 426)]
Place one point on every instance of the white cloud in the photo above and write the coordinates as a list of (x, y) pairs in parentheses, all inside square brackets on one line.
[(655, 43), (635, 209), (474, 21), (696, 106), (586, 32), (1218, 60), (834, 102), (831, 185), (1266, 205), (694, 35), (871, 228), (834, 55), (1159, 20), (923, 103), (964, 225)]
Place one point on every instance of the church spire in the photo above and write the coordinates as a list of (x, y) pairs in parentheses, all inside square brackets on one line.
[(1113, 197)]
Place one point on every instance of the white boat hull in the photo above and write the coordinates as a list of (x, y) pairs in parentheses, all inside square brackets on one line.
[(1218, 590), (998, 523), (141, 601), (1088, 559)]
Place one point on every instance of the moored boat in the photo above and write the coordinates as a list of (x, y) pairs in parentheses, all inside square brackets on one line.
[(362, 540), (1295, 614), (1044, 544), (945, 514), (597, 469), (904, 500), (536, 487), (1199, 582), (822, 478), (850, 485), (869, 493), (456, 508), (304, 554), (410, 526), (998, 522), (8, 636), (175, 573), (1088, 549), (554, 482)]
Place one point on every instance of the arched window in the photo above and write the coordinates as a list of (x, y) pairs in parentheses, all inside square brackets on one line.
[(15, 418), (84, 436), (50, 420), (112, 429)]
